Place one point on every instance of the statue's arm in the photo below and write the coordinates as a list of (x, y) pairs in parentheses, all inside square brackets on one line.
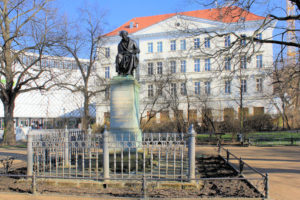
[(135, 48)]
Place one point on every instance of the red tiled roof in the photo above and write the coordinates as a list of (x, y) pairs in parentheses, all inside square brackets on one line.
[(226, 15)]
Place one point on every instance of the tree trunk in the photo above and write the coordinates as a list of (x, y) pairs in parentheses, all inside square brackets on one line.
[(86, 114), (9, 137)]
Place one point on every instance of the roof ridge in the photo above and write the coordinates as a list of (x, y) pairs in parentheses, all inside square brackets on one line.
[(214, 14)]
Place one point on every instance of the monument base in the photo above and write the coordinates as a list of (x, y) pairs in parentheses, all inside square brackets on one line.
[(125, 129)]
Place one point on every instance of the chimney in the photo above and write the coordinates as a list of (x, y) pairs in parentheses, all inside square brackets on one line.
[(131, 25), (136, 25)]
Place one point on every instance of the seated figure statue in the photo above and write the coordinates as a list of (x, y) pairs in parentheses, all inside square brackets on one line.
[(126, 60)]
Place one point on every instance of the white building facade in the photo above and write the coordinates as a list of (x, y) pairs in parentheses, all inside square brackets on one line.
[(53, 108), (195, 62)]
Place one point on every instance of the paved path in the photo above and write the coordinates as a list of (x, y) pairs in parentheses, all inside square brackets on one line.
[(282, 164)]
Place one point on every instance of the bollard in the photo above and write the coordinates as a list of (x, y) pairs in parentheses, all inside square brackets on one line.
[(29, 154), (66, 152), (192, 156), (105, 154)]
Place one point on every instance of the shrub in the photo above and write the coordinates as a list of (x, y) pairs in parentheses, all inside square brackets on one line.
[(259, 123)]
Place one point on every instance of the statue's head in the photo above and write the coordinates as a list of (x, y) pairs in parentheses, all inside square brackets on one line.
[(124, 35)]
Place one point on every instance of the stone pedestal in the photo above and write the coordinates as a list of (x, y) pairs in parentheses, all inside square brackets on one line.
[(124, 111)]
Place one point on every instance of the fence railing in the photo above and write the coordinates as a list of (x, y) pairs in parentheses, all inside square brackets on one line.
[(72, 153), (257, 179)]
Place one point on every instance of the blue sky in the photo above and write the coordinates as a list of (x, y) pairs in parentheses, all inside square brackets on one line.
[(118, 12)]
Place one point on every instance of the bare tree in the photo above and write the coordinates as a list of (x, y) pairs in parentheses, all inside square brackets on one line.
[(230, 9), (156, 99), (27, 32), (286, 81), (82, 39)]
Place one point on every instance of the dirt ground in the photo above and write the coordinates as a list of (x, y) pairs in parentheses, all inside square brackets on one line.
[(282, 164), (208, 167)]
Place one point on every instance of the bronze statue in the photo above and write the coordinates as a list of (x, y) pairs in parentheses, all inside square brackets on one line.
[(127, 60)]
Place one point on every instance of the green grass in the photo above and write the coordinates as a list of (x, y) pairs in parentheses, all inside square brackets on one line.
[(259, 138), (280, 134), (18, 145)]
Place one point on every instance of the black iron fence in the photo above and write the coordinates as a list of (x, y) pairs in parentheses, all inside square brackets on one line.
[(72, 154)]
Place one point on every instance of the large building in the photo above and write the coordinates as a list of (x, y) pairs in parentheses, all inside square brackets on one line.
[(194, 64), (54, 108)]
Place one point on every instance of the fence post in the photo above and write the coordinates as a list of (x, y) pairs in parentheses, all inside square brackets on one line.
[(33, 183), (192, 147), (105, 154), (227, 156), (241, 163), (29, 154), (219, 148), (66, 146), (144, 187), (90, 141), (267, 186)]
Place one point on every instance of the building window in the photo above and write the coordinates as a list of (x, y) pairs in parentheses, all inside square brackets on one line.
[(150, 47), (259, 62), (159, 68), (107, 52), (150, 69), (227, 87), (182, 66), (173, 45), (259, 85), (258, 111), (106, 117), (197, 88), (207, 87), (173, 89), (107, 72), (207, 42), (182, 45), (159, 47), (228, 63), (183, 89), (173, 66), (159, 90), (150, 90), (259, 37), (227, 41), (197, 65), (244, 86), (243, 40), (106, 94), (196, 43), (207, 64), (244, 62)]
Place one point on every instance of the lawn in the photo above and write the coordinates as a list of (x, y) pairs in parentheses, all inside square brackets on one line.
[(258, 138)]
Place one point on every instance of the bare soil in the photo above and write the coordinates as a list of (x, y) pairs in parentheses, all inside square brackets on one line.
[(209, 166)]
